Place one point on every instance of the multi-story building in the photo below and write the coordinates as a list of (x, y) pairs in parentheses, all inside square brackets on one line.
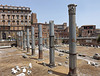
[(67, 31), (33, 18), (97, 32), (13, 18), (59, 30), (87, 30)]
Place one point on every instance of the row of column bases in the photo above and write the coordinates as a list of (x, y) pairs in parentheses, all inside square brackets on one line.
[(72, 42)]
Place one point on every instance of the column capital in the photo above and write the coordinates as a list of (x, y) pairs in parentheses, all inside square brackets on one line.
[(72, 9)]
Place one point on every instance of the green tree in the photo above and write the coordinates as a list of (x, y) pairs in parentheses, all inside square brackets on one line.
[(63, 41), (98, 40)]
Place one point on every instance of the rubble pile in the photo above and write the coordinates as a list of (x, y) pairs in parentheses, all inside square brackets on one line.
[(96, 56), (82, 55), (21, 71), (93, 64), (63, 51)]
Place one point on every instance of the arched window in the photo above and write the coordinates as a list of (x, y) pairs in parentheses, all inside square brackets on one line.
[(3, 35)]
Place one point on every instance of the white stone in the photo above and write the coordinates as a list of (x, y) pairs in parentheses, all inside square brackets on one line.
[(49, 72), (60, 54), (28, 72), (21, 74), (66, 57), (25, 56), (92, 63), (66, 62), (24, 70), (14, 71), (30, 65), (18, 69), (60, 64), (88, 62)]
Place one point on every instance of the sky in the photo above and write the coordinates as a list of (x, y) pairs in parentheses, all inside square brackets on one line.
[(87, 11)]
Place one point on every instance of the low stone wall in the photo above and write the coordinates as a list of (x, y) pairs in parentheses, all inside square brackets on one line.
[(7, 43)]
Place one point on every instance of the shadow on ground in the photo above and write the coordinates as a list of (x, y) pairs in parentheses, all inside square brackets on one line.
[(58, 73)]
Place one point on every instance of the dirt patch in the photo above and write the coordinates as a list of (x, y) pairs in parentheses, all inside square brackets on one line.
[(11, 57)]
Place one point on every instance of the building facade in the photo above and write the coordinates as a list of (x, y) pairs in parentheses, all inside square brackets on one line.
[(59, 31), (87, 30), (13, 18)]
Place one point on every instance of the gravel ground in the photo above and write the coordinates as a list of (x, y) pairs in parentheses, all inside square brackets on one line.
[(11, 57)]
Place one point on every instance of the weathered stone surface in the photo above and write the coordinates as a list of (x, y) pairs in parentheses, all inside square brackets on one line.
[(67, 57), (96, 56), (82, 55), (60, 64), (61, 54), (13, 71), (25, 56), (21, 74), (24, 70), (17, 68), (44, 64), (66, 62), (30, 65), (49, 72), (29, 72)]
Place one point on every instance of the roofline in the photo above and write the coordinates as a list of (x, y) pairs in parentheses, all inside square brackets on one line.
[(88, 25)]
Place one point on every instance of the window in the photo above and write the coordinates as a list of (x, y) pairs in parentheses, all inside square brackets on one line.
[(3, 20), (21, 22), (4, 35), (13, 21), (25, 17), (3, 16), (30, 17), (25, 22), (88, 31), (29, 21), (13, 16), (8, 22), (25, 8), (17, 22), (8, 16), (21, 16), (17, 16), (8, 11), (21, 8)]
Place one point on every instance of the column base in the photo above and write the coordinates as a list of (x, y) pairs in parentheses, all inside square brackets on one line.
[(33, 52), (52, 65), (28, 50), (40, 54), (72, 72)]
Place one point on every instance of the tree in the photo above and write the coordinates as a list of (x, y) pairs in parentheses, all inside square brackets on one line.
[(63, 41), (98, 40)]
